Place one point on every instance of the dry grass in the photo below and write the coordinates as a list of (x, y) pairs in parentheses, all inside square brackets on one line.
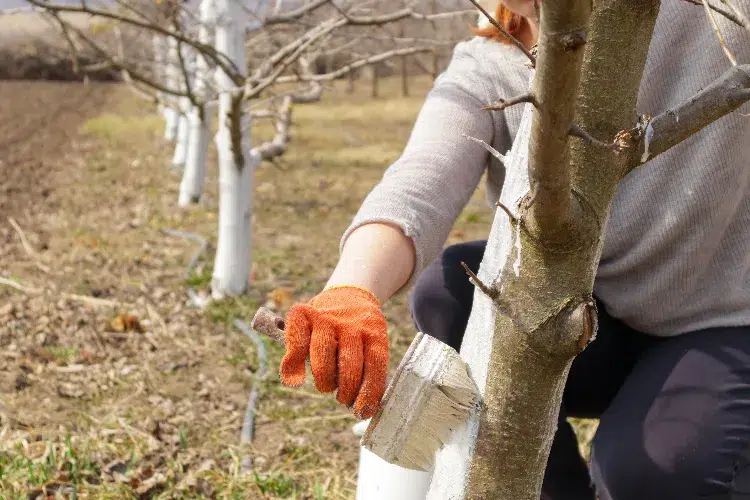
[(92, 406)]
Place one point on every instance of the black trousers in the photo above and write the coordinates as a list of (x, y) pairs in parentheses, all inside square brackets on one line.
[(674, 412)]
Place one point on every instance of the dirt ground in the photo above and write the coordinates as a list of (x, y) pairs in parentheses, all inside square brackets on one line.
[(111, 385)]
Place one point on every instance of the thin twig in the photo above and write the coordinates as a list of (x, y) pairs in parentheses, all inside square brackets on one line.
[(577, 131), (506, 103), (505, 33), (738, 13), (494, 152), (740, 20), (26, 246), (513, 218), (718, 34), (488, 291)]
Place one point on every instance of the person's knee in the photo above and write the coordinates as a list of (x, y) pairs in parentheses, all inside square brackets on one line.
[(623, 468)]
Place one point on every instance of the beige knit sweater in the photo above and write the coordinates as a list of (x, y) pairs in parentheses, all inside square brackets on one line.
[(677, 249)]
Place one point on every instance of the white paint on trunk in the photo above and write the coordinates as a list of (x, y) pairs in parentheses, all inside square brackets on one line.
[(159, 46), (171, 115), (454, 460), (199, 119), (183, 129), (233, 251)]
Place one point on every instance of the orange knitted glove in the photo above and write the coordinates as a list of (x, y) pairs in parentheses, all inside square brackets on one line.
[(345, 334)]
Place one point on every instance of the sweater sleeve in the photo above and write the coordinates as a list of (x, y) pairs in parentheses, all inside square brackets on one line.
[(424, 191)]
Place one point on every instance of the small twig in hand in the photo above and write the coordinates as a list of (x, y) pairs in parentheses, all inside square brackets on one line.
[(488, 291), (717, 31), (494, 152), (505, 33), (506, 103), (582, 134)]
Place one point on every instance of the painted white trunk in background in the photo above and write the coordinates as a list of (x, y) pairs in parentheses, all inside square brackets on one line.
[(159, 47), (183, 130), (236, 162), (199, 118), (171, 74), (186, 81), (454, 460)]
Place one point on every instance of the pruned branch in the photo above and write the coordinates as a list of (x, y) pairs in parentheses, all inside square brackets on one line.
[(726, 94)]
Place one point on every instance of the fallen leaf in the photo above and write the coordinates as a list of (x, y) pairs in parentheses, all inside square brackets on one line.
[(126, 323)]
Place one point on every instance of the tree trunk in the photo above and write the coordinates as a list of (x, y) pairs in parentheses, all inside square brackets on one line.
[(171, 72), (236, 163), (183, 136), (542, 256), (351, 82), (159, 47), (199, 119), (374, 75)]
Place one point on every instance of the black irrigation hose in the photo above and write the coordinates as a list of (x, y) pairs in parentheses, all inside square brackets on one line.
[(248, 426)]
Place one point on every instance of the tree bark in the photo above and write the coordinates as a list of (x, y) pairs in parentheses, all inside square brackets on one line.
[(199, 120), (236, 163), (171, 115), (541, 260)]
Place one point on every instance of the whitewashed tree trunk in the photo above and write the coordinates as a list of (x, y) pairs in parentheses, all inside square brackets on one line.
[(159, 47), (171, 73), (199, 118), (236, 161), (454, 460), (183, 135)]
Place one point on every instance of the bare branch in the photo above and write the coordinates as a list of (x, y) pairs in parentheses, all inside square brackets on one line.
[(505, 33), (579, 132), (730, 13), (488, 291), (353, 66), (563, 27), (216, 57), (726, 94), (718, 34), (295, 14), (506, 103), (277, 146), (744, 21)]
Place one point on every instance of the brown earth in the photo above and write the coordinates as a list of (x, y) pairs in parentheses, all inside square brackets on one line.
[(111, 385)]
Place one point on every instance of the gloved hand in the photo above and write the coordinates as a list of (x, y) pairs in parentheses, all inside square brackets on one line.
[(345, 334)]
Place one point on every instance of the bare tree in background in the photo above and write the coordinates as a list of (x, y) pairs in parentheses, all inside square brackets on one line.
[(533, 309), (262, 54)]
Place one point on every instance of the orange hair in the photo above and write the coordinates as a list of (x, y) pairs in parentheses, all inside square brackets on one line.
[(513, 23)]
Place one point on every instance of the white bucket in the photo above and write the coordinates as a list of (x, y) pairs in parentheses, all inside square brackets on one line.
[(379, 480)]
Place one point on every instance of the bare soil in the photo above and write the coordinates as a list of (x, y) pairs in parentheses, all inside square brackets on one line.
[(111, 384)]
